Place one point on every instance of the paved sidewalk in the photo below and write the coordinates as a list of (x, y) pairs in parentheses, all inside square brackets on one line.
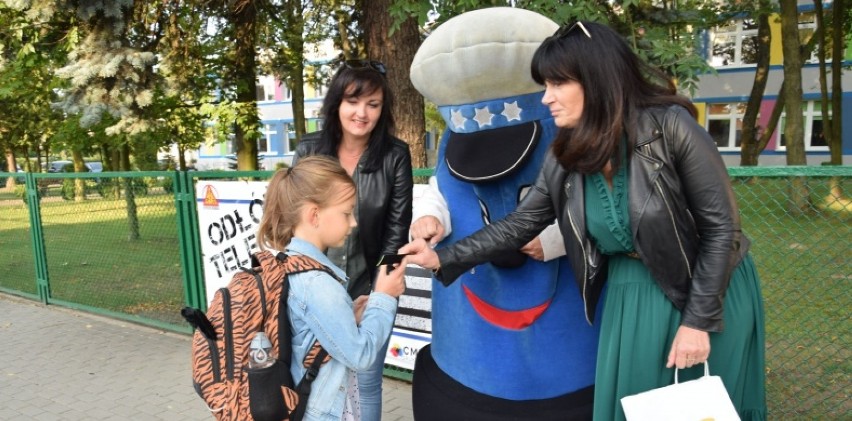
[(59, 364)]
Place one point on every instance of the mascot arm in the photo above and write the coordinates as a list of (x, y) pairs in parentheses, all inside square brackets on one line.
[(432, 203), (534, 213), (552, 243)]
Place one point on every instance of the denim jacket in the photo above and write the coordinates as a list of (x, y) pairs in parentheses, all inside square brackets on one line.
[(320, 309)]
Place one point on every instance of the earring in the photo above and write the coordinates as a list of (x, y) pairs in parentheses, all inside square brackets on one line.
[(316, 220)]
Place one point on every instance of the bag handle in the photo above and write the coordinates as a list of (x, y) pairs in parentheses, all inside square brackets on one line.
[(706, 370)]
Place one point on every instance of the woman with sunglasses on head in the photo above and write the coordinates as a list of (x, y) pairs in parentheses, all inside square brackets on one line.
[(644, 203), (357, 131)]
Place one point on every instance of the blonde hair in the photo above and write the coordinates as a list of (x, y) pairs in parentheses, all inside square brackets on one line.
[(318, 180)]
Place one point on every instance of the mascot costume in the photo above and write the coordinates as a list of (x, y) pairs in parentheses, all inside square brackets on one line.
[(510, 340)]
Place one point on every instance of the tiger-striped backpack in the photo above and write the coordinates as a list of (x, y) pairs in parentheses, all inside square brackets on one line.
[(254, 301)]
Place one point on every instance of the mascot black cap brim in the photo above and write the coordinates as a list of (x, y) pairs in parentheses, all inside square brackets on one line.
[(489, 155)]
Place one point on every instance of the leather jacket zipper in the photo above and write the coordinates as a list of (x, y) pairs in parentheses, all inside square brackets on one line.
[(671, 217), (585, 255)]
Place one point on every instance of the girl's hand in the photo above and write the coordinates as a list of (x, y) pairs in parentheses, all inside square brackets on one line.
[(420, 253), (392, 283), (358, 307), (690, 347)]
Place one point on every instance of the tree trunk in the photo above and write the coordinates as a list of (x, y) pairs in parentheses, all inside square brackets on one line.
[(181, 150), (794, 125), (749, 146), (838, 43), (130, 195), (296, 44), (79, 183), (397, 51), (346, 47), (11, 166), (243, 17), (825, 106)]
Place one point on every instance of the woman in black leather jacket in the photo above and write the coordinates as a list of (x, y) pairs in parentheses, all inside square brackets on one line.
[(644, 204), (357, 131)]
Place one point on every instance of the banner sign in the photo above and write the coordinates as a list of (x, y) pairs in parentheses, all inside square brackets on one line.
[(229, 213)]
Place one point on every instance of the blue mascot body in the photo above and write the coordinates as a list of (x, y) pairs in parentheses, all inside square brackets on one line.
[(510, 339)]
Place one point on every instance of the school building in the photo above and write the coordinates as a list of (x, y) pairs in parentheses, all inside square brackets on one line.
[(721, 98)]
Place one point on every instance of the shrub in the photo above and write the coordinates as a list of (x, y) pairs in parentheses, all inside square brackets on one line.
[(168, 184), (21, 191)]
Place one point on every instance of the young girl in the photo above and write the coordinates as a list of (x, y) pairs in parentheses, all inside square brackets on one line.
[(308, 209)]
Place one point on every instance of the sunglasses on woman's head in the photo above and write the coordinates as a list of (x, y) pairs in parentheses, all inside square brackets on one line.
[(372, 64), (566, 30)]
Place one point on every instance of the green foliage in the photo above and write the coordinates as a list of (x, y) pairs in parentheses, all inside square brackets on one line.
[(280, 165), (168, 184), (68, 189), (21, 192), (112, 187)]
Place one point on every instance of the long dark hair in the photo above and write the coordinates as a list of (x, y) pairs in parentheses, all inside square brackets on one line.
[(351, 82), (617, 85)]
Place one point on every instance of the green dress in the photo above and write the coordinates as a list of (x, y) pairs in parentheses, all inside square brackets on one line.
[(639, 322)]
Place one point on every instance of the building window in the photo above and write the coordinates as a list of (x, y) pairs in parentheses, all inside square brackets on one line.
[(265, 89), (725, 124), (290, 137), (807, 28), (814, 134), (264, 144), (734, 44)]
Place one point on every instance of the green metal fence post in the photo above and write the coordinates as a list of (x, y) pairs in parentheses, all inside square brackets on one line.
[(190, 255), (37, 234)]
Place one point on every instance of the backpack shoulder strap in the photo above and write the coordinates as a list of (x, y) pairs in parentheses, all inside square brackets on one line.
[(293, 264), (297, 264), (304, 386)]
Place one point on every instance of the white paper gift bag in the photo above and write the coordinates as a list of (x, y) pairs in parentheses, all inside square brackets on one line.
[(703, 399)]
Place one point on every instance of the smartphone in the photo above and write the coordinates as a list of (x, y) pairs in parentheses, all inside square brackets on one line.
[(391, 259)]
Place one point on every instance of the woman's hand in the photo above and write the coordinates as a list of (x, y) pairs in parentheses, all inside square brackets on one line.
[(420, 253), (534, 250), (690, 347), (428, 228)]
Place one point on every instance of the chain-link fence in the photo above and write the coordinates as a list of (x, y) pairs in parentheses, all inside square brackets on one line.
[(104, 243), (126, 245), (801, 232)]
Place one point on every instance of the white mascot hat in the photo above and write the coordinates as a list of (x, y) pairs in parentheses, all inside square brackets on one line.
[(475, 56)]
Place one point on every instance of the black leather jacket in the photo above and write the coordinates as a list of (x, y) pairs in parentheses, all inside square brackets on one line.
[(683, 216), (384, 201)]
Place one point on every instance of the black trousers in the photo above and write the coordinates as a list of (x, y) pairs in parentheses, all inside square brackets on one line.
[(437, 397)]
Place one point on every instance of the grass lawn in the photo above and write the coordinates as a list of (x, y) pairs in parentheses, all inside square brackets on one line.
[(90, 259)]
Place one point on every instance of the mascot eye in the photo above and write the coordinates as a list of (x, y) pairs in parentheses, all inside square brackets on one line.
[(522, 192), (486, 218)]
